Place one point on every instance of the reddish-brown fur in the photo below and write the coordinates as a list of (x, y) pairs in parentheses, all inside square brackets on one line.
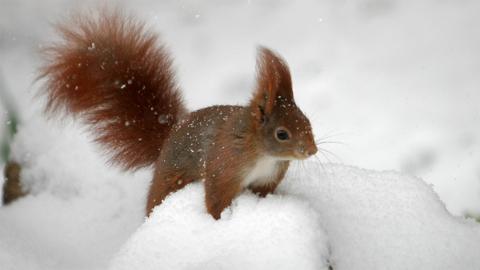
[(114, 73), (127, 78)]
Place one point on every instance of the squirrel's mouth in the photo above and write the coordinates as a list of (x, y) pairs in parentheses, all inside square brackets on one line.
[(295, 155), (302, 154), (301, 157)]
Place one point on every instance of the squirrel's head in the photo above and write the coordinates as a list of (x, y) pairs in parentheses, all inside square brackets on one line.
[(282, 128)]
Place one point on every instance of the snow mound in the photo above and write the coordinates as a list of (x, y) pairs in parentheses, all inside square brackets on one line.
[(374, 220), (278, 232), (78, 212), (385, 220)]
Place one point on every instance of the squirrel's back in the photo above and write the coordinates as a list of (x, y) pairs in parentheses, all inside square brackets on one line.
[(112, 72), (188, 147)]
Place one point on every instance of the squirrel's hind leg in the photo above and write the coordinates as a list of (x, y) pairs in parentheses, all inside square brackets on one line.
[(219, 193), (165, 182)]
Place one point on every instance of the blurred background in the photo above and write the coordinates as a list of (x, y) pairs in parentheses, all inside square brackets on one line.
[(389, 84)]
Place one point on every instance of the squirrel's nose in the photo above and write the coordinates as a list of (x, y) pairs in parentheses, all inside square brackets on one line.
[(311, 150)]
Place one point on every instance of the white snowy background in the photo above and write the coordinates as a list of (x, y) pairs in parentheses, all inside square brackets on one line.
[(395, 82)]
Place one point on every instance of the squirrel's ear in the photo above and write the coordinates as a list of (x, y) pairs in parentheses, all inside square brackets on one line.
[(273, 82)]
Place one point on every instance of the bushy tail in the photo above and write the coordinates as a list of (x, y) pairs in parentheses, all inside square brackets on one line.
[(114, 74)]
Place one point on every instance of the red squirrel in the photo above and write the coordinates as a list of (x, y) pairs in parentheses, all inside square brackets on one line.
[(113, 73)]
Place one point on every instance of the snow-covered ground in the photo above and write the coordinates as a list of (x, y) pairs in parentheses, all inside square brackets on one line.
[(395, 81), (82, 214), (80, 210), (372, 220)]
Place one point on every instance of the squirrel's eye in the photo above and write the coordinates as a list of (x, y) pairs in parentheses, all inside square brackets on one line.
[(282, 135)]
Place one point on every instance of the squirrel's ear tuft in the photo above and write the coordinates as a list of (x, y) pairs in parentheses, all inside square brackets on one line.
[(273, 81)]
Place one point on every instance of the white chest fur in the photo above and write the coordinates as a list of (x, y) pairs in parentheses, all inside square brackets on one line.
[(262, 172)]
